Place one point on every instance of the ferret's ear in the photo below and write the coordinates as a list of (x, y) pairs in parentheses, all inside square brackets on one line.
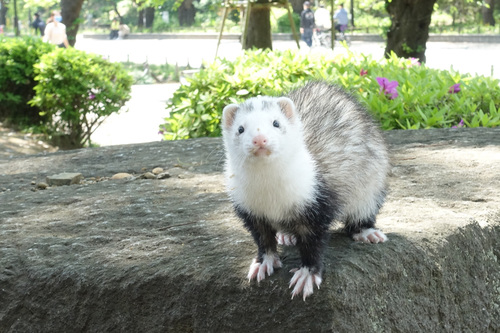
[(287, 107), (228, 115)]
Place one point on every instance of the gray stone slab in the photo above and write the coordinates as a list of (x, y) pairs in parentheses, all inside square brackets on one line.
[(66, 178), (169, 255)]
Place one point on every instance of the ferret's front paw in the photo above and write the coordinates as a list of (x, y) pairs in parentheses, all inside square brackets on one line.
[(304, 281), (370, 236), (259, 270), (286, 239)]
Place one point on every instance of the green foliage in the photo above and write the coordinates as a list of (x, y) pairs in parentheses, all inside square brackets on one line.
[(17, 58), (283, 23), (151, 73), (76, 91), (424, 99)]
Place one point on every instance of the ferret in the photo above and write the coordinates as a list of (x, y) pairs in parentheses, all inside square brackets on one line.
[(295, 164)]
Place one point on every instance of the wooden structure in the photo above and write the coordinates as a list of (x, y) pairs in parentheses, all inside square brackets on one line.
[(248, 5)]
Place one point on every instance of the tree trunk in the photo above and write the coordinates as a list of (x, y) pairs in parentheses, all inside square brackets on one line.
[(150, 16), (259, 28), (186, 13), (487, 11), (3, 12), (409, 30), (16, 19), (140, 18), (297, 5), (70, 11)]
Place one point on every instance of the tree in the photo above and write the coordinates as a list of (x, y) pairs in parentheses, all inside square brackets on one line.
[(149, 15), (3, 11), (146, 11), (487, 10), (409, 31), (16, 19), (259, 26), (297, 5), (186, 13), (70, 11)]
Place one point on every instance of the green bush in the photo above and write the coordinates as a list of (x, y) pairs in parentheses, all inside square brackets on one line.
[(283, 23), (76, 91), (424, 99), (17, 58)]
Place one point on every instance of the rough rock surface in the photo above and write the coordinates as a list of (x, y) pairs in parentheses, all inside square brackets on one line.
[(168, 255)]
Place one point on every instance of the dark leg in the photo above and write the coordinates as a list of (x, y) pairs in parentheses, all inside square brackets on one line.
[(364, 230), (265, 238), (353, 226), (263, 235), (311, 250)]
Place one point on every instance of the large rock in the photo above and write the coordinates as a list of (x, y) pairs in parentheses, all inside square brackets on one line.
[(150, 255)]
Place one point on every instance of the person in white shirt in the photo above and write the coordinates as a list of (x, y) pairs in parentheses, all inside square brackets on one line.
[(341, 19), (322, 18), (55, 31)]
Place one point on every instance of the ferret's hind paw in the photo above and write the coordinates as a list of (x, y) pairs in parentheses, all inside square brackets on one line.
[(258, 270), (304, 282), (286, 239), (370, 235)]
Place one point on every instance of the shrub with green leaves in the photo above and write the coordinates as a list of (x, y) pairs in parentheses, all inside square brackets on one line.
[(76, 91), (400, 93), (17, 58), (283, 23)]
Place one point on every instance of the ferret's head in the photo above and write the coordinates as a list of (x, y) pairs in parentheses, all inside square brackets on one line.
[(262, 128)]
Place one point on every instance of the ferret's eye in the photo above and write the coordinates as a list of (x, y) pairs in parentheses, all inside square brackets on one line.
[(241, 129), (276, 124)]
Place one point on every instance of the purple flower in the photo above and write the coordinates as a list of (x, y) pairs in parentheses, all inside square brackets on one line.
[(454, 88), (460, 124), (91, 96), (388, 87), (363, 72)]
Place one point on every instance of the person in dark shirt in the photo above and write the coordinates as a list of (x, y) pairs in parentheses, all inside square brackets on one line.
[(38, 24), (307, 23)]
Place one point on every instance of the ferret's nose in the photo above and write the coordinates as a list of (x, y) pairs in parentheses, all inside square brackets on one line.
[(260, 141)]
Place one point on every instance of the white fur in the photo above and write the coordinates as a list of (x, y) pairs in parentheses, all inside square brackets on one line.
[(268, 185), (370, 235), (304, 282), (258, 270), (286, 239)]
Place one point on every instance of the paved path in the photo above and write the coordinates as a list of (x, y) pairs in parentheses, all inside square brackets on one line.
[(147, 106), (146, 111)]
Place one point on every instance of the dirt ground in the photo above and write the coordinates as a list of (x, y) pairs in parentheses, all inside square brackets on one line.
[(13, 143)]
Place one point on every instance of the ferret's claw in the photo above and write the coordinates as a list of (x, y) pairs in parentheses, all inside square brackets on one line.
[(370, 235), (259, 270), (304, 282), (286, 239)]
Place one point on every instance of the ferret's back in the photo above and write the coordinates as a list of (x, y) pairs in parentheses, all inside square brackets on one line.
[(344, 140)]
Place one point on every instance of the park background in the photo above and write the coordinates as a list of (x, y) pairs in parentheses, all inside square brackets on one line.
[(167, 36)]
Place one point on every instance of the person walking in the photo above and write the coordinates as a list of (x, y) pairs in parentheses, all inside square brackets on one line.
[(38, 24), (55, 31), (322, 18), (307, 23), (341, 19)]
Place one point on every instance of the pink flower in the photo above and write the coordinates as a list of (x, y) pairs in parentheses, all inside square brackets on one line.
[(454, 88), (363, 72), (414, 62), (388, 87), (460, 124), (91, 96)]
